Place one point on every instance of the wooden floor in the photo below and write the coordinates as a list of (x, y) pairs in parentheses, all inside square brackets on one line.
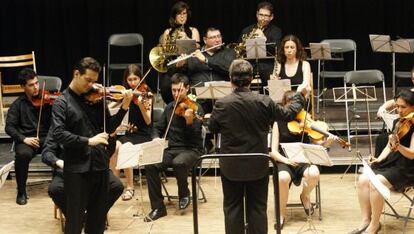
[(339, 202)]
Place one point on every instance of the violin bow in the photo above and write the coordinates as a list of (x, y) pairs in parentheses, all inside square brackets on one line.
[(104, 99), (173, 112), (143, 78), (41, 108)]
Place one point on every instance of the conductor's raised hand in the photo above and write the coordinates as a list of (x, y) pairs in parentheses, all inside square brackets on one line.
[(304, 89), (101, 138)]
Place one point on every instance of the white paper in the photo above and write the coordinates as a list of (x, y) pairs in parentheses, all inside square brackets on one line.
[(389, 119), (4, 171), (277, 89), (128, 155), (307, 153), (381, 188)]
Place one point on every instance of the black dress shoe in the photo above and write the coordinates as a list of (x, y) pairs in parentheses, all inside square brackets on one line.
[(184, 203), (21, 199), (156, 214)]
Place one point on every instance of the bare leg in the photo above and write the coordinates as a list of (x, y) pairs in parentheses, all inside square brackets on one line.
[(377, 204), (284, 180), (114, 159), (129, 174), (364, 200), (311, 178)]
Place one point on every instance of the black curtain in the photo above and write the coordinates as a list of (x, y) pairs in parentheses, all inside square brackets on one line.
[(63, 31)]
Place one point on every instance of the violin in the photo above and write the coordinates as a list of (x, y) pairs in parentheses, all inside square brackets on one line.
[(146, 96), (48, 98), (184, 105), (113, 92), (402, 127), (316, 130)]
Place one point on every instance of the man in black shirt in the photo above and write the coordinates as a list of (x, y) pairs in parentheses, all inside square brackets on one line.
[(51, 155), (184, 147), (211, 65), (244, 119), (22, 126), (273, 35), (78, 125)]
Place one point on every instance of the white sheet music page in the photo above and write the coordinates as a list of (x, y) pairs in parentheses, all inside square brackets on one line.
[(152, 152), (389, 119), (307, 153), (128, 155), (381, 188)]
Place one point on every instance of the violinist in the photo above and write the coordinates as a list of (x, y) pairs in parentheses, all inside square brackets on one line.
[(290, 171), (394, 167), (139, 126), (184, 146), (83, 130), (22, 126)]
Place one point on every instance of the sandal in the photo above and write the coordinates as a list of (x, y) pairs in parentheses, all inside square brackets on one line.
[(128, 194)]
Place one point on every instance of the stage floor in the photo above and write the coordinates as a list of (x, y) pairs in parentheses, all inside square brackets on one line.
[(339, 203)]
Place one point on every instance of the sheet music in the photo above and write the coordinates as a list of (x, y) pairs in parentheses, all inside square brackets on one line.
[(381, 188), (277, 89), (152, 152), (307, 153), (4, 172), (389, 119), (128, 155)]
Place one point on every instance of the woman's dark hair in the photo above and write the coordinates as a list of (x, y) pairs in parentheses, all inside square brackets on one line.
[(265, 5), (176, 9), (300, 51), (26, 74), (288, 96), (132, 69), (407, 96)]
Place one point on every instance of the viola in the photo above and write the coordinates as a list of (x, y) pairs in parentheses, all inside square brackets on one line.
[(48, 98), (316, 130), (402, 127), (113, 92)]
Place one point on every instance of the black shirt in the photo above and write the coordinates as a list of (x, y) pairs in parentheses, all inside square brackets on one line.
[(179, 134), (22, 119), (74, 122), (296, 79), (244, 119)]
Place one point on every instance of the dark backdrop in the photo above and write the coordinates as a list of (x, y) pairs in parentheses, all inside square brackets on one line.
[(63, 31)]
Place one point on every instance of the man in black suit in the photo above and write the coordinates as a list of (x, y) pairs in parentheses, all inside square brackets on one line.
[(244, 119)]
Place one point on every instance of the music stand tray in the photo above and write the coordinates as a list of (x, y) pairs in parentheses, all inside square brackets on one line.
[(355, 93), (4, 172), (214, 90), (380, 43), (277, 89), (256, 48), (307, 153)]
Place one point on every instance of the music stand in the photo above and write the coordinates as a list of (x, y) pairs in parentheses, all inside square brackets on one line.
[(277, 88), (214, 90), (256, 49), (383, 43), (312, 155), (4, 172), (320, 52)]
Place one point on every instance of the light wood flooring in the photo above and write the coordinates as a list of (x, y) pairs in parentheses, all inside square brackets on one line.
[(339, 203)]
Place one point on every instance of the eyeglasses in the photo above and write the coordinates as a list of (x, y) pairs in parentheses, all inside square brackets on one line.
[(214, 37), (264, 15)]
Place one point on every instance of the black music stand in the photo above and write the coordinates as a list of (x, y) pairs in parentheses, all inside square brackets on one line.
[(383, 43), (245, 155), (256, 49), (320, 52)]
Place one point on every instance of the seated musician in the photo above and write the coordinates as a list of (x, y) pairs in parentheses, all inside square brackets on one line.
[(394, 167), (184, 146), (52, 156), (290, 171), (291, 62), (22, 126), (139, 126)]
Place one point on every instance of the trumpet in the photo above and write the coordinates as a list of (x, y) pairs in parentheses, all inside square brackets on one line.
[(191, 55)]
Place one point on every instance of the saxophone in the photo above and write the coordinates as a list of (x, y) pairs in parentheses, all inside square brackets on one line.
[(240, 48)]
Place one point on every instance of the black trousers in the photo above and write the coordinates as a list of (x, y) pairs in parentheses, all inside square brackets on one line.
[(256, 205), (24, 154), (86, 192), (57, 192), (181, 160)]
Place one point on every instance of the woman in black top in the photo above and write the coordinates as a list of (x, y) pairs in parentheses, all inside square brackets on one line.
[(139, 124), (291, 62), (394, 167), (290, 171)]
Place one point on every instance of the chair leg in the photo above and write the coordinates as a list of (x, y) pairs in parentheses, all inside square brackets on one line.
[(200, 189), (409, 212), (318, 199), (165, 188)]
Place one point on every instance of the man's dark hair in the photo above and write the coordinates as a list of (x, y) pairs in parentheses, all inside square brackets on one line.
[(265, 5), (178, 78), (209, 29), (241, 73), (26, 74), (87, 63)]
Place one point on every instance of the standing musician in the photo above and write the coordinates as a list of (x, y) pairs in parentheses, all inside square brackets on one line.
[(139, 126), (80, 126), (264, 28), (24, 127), (181, 126), (250, 174), (210, 65), (394, 167), (179, 29), (291, 62), (52, 156), (290, 171)]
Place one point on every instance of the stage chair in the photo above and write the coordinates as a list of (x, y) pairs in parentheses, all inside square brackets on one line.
[(339, 48), (10, 62), (124, 49), (401, 75), (362, 77), (410, 208)]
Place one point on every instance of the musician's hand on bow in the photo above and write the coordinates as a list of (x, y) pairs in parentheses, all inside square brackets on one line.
[(32, 141), (101, 138), (304, 89)]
